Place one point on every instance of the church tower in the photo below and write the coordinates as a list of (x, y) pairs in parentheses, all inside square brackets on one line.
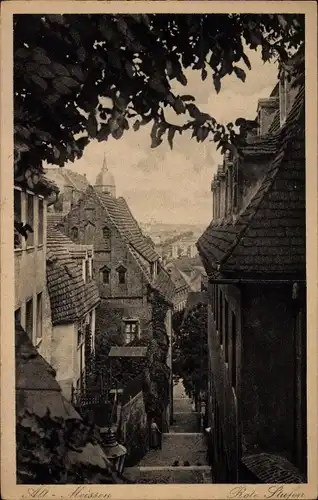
[(105, 182)]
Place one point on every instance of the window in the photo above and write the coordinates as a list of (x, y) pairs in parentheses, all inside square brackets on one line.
[(91, 267), (230, 190), (74, 233), (39, 315), (17, 217), (29, 318), (89, 233), (17, 316), (226, 332), (233, 364), (121, 275), (87, 271), (212, 297), (217, 308), (105, 275), (30, 218), (234, 184), (226, 201), (106, 233), (80, 333), (131, 330), (41, 222)]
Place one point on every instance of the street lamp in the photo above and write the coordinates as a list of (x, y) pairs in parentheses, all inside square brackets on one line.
[(115, 452)]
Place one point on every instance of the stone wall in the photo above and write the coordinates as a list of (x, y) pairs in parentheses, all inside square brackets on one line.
[(134, 429)]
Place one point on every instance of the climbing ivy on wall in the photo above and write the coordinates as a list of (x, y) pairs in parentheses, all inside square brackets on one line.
[(157, 372), (191, 354), (153, 369)]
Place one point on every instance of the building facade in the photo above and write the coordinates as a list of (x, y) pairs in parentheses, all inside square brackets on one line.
[(254, 255), (31, 300), (73, 298), (71, 186)]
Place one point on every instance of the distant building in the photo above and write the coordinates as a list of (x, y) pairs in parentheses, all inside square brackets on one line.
[(182, 246), (73, 300), (71, 186), (254, 254), (182, 287)]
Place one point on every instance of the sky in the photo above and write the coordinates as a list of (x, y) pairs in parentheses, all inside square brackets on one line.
[(174, 186)]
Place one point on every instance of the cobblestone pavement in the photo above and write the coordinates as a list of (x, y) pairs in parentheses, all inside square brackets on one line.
[(183, 456)]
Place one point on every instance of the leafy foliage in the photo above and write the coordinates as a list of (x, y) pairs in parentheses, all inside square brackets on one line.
[(84, 77), (42, 446), (191, 353)]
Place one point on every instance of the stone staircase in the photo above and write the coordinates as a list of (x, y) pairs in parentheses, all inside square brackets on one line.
[(183, 456)]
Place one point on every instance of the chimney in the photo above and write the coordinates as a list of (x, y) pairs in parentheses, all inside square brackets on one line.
[(266, 110)]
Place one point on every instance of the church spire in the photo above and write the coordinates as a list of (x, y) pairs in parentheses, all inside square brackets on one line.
[(105, 181), (104, 167)]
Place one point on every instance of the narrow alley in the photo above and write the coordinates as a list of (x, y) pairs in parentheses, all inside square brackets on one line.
[(183, 456)]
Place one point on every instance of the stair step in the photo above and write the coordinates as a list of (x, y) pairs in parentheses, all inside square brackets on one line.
[(205, 468), (169, 475)]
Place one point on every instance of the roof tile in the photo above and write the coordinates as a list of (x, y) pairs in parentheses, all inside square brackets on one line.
[(71, 298), (123, 219)]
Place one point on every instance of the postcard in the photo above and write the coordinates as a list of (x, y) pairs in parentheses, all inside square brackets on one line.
[(159, 250)]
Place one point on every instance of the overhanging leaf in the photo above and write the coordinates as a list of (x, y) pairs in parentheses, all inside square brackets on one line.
[(171, 134), (240, 73), (217, 82), (39, 81), (92, 125), (246, 60)]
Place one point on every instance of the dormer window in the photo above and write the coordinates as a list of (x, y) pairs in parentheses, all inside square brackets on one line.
[(86, 271), (121, 271)]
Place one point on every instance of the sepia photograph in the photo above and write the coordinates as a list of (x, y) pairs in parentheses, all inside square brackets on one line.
[(159, 303)]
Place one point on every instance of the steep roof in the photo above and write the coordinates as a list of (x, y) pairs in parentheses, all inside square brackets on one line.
[(177, 277), (78, 181), (122, 218), (164, 285), (36, 387), (269, 235), (71, 298)]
